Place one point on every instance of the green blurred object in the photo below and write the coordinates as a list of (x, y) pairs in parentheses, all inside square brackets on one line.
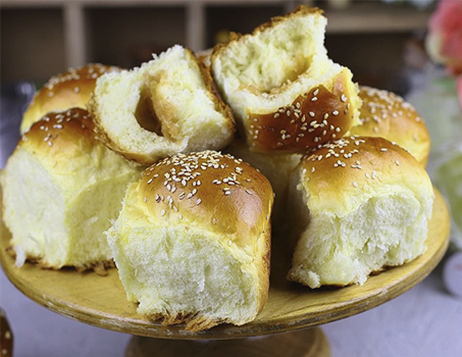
[(448, 176), (435, 98)]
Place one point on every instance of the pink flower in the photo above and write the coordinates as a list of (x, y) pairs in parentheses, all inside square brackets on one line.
[(444, 42)]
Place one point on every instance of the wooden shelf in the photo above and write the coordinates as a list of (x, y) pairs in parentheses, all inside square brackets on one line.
[(77, 37)]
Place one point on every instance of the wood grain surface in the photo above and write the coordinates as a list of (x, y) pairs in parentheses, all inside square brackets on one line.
[(310, 342), (100, 300)]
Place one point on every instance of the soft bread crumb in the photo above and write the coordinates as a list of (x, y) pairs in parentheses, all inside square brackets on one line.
[(164, 107)]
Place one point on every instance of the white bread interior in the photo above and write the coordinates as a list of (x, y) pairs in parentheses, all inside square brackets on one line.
[(365, 218), (175, 96)]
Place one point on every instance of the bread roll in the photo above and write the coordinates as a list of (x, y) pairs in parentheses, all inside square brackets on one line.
[(63, 91), (61, 188), (363, 204), (387, 115), (166, 106), (192, 241), (282, 87)]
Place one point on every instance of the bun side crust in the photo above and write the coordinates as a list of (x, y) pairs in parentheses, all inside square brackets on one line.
[(66, 90), (385, 114), (213, 92)]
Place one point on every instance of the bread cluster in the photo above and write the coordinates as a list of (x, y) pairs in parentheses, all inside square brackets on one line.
[(123, 166)]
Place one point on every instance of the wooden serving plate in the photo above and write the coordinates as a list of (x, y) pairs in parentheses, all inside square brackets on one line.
[(100, 300)]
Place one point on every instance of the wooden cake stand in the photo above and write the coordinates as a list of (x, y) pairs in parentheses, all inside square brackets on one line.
[(100, 301)]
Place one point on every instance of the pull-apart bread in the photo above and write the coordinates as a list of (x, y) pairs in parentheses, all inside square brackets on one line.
[(283, 88), (64, 91), (192, 241), (166, 106), (61, 189), (362, 204)]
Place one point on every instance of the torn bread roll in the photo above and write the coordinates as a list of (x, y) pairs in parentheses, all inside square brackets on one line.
[(363, 204), (63, 91), (166, 106), (387, 115), (192, 241), (61, 189), (282, 87)]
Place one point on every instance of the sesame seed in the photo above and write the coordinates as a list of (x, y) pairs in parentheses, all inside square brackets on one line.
[(343, 98), (314, 99), (383, 149), (335, 112), (312, 114)]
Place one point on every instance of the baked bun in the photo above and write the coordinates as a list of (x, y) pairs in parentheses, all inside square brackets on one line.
[(363, 204), (166, 106), (61, 188), (192, 241), (285, 91), (66, 90), (387, 115)]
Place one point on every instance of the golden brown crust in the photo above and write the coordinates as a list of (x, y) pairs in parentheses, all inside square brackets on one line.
[(61, 131), (225, 194), (385, 114), (312, 119), (350, 165), (69, 89)]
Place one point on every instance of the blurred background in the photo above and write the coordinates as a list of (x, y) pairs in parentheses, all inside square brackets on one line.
[(411, 47), (42, 37)]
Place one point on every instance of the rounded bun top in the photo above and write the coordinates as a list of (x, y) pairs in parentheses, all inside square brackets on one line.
[(387, 115), (61, 132), (66, 90), (342, 174), (208, 189)]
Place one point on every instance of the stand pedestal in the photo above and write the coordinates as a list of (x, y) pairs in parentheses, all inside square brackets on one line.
[(307, 343)]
